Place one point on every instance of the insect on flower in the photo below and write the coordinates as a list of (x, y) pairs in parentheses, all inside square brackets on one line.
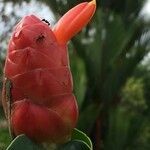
[(40, 102)]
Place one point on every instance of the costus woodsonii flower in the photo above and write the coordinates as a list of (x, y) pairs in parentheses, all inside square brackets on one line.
[(38, 94)]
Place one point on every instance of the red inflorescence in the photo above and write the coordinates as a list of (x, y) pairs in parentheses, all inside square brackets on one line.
[(42, 103), (43, 107)]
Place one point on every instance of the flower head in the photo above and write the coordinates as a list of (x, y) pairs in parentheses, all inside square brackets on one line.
[(42, 103)]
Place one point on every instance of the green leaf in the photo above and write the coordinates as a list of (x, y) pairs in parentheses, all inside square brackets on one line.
[(79, 141), (79, 135), (22, 142)]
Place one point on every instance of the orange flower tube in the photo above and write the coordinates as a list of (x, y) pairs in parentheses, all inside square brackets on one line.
[(73, 21), (41, 100)]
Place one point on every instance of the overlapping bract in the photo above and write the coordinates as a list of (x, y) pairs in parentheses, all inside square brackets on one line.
[(42, 103), (43, 107)]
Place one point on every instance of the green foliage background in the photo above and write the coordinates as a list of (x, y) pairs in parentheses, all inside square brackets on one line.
[(110, 82)]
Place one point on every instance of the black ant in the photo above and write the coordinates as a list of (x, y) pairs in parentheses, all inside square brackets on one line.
[(46, 21), (40, 38)]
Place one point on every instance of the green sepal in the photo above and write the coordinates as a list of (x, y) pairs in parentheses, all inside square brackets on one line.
[(79, 141), (22, 142)]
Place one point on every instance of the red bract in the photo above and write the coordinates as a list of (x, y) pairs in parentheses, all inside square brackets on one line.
[(42, 103)]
